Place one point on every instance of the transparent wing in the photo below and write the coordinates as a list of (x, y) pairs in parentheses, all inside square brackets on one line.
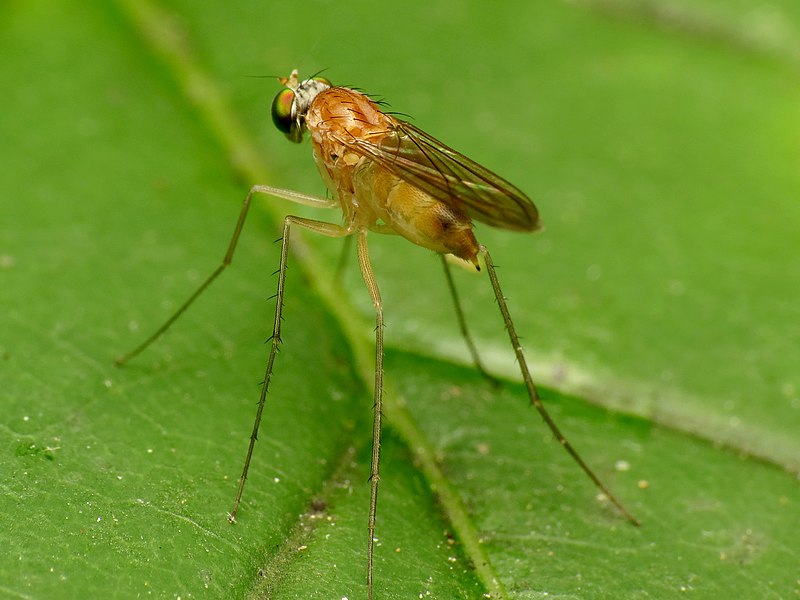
[(449, 176)]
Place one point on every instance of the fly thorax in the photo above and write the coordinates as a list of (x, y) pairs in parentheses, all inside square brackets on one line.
[(304, 95)]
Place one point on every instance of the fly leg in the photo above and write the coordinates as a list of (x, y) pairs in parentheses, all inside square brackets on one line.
[(462, 325), (321, 227), (534, 394), (290, 195), (375, 295)]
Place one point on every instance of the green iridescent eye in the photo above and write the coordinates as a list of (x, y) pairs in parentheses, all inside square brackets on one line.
[(282, 111)]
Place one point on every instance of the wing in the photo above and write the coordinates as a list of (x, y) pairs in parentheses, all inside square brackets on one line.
[(448, 176)]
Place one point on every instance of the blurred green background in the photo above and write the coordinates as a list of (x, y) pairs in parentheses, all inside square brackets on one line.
[(661, 144)]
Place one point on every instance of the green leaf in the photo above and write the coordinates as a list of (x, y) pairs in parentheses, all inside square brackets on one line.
[(660, 143)]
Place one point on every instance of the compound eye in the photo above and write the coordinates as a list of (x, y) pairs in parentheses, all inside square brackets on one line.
[(282, 111)]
